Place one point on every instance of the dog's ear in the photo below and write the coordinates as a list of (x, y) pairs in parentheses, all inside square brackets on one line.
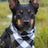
[(13, 3), (35, 3)]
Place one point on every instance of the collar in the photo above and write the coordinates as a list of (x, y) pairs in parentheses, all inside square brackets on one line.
[(14, 29), (19, 35)]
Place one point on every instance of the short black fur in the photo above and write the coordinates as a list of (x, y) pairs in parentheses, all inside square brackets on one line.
[(25, 17)]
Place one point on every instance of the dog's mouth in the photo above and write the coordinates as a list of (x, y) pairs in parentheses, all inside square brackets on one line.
[(25, 27)]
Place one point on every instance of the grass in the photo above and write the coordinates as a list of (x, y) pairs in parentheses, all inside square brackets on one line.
[(4, 11), (43, 3), (41, 39)]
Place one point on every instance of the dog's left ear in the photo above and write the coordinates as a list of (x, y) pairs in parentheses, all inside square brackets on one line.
[(35, 3), (13, 3)]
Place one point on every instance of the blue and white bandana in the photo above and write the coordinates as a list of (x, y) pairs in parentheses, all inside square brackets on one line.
[(23, 39)]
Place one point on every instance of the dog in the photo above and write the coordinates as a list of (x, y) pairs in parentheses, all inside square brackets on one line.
[(21, 32)]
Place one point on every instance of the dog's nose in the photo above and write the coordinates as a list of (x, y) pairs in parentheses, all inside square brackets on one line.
[(26, 22)]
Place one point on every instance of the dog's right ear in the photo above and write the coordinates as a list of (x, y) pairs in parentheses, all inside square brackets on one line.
[(13, 3)]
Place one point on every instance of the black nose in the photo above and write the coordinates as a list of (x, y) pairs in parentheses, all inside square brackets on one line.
[(26, 22)]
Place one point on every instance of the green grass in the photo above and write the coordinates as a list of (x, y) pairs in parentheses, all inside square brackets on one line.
[(4, 11), (42, 3), (41, 39)]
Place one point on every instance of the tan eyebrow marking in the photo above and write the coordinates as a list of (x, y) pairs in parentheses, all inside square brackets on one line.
[(29, 10), (21, 11)]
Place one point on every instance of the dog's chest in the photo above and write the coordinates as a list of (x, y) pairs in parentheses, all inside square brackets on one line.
[(23, 39)]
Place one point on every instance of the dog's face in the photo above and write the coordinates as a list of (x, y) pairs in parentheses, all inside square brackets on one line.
[(23, 15)]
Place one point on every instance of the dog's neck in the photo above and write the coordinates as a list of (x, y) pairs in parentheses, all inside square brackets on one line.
[(12, 27), (21, 34), (24, 37)]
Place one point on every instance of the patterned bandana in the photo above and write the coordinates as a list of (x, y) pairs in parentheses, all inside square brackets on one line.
[(23, 39)]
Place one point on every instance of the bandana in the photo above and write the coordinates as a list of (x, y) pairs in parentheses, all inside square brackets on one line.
[(23, 39)]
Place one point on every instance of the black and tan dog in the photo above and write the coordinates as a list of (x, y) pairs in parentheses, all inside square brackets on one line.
[(21, 32)]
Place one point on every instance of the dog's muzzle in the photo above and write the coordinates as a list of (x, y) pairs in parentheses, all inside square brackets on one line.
[(26, 23)]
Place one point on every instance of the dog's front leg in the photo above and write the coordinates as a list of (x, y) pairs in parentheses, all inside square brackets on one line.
[(2, 43), (5, 40)]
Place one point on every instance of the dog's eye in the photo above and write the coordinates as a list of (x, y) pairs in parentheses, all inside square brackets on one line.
[(29, 11), (19, 16), (21, 11), (32, 15)]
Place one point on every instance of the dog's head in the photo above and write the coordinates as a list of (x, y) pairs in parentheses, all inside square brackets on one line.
[(23, 14)]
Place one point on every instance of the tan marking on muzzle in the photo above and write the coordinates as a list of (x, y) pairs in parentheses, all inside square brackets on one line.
[(31, 20), (19, 21)]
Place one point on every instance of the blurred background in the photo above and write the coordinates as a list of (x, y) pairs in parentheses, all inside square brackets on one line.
[(41, 39)]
